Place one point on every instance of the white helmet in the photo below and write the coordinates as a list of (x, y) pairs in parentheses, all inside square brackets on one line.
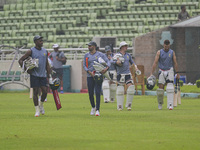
[(151, 82)]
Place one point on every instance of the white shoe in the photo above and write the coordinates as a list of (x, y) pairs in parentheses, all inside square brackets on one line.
[(129, 107), (120, 108), (170, 107), (37, 114), (112, 100), (37, 111), (159, 106), (45, 100), (97, 113), (105, 101), (92, 111)]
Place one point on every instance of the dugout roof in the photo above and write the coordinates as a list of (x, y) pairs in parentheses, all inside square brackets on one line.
[(192, 22)]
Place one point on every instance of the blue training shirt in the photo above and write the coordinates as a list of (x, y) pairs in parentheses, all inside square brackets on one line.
[(39, 71), (124, 69), (112, 63), (56, 63), (165, 59), (91, 58)]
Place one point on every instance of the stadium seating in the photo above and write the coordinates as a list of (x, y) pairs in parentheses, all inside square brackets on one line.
[(73, 22), (3, 78)]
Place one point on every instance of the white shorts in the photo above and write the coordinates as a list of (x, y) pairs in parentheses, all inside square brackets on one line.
[(166, 76)]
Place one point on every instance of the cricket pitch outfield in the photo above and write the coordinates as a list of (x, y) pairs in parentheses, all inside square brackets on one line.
[(72, 128)]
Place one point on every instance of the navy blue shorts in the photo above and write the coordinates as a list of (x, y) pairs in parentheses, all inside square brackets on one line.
[(38, 81), (128, 78), (58, 74)]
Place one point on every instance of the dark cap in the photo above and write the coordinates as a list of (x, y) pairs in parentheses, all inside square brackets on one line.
[(92, 43), (167, 42), (107, 48), (37, 37)]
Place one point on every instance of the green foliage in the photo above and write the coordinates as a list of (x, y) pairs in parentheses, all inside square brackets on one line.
[(198, 83), (72, 127), (145, 80), (181, 82)]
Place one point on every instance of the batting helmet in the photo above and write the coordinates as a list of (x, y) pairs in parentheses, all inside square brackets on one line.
[(56, 84), (151, 81)]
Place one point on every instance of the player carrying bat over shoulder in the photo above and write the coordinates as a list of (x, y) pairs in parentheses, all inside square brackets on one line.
[(38, 73), (166, 61)]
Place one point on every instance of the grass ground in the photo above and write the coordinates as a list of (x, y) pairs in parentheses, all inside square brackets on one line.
[(72, 128)]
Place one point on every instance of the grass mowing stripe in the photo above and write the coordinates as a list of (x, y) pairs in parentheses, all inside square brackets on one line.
[(145, 127)]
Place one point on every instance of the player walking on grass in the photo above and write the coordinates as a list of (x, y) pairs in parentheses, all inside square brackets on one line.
[(166, 60), (123, 60), (110, 87), (94, 82), (38, 75), (58, 60)]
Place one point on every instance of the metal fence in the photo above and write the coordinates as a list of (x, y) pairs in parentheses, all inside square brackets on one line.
[(8, 53)]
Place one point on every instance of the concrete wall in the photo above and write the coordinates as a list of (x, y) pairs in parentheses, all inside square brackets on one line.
[(146, 47), (185, 45), (78, 74)]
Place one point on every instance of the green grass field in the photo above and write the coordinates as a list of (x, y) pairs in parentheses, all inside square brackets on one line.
[(72, 127)]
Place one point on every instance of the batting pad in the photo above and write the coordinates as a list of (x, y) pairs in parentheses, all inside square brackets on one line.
[(160, 96), (120, 96), (106, 90), (170, 94), (130, 94), (113, 88)]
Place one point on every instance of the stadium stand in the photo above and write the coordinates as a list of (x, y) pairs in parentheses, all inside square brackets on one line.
[(73, 23)]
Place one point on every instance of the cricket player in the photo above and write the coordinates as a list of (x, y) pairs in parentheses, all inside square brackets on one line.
[(94, 82), (166, 61), (58, 60), (124, 76), (38, 75), (109, 87)]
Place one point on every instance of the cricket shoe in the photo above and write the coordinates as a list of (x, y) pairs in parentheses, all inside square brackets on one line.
[(92, 111), (61, 92), (170, 107), (112, 100), (97, 113), (105, 101), (159, 106), (37, 111), (129, 107), (37, 114), (120, 108)]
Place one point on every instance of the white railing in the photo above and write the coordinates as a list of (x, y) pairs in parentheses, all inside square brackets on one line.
[(9, 53)]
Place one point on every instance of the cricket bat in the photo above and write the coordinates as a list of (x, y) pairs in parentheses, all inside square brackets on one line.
[(56, 99), (179, 94), (175, 94)]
